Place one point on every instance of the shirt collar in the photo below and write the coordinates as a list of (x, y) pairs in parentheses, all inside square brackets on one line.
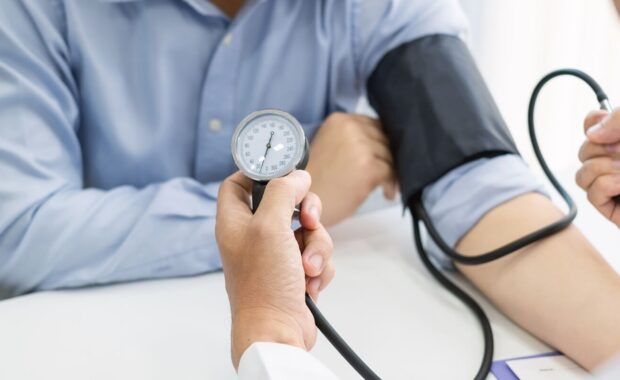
[(204, 7)]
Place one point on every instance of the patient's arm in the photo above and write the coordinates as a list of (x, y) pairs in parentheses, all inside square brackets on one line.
[(560, 289)]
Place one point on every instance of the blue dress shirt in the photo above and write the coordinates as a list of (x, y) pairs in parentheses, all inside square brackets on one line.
[(116, 118)]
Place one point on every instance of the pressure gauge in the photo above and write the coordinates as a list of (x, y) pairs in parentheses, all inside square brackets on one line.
[(268, 144)]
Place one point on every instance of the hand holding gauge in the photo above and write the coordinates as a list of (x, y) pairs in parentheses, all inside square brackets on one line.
[(285, 136)]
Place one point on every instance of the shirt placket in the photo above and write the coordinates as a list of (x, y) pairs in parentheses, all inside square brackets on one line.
[(216, 120)]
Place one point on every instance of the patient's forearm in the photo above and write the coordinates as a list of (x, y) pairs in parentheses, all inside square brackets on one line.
[(559, 289)]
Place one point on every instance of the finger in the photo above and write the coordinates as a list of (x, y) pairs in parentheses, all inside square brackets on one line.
[(593, 118), (281, 196), (382, 172), (317, 284), (606, 131), (373, 129), (382, 152), (311, 210), (390, 189), (603, 189), (318, 248), (233, 196), (591, 150), (594, 168)]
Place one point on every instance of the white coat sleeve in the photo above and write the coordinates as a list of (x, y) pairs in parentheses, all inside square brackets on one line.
[(275, 361)]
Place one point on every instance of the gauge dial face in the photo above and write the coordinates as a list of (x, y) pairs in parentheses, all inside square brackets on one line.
[(268, 144)]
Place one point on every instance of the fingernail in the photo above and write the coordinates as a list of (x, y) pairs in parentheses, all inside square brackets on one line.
[(595, 130), (615, 164), (314, 211), (316, 261)]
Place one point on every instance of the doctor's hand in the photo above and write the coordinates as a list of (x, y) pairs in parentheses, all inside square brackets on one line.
[(268, 267), (599, 175), (349, 158)]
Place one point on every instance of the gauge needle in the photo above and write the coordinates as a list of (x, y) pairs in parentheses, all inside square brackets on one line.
[(266, 151)]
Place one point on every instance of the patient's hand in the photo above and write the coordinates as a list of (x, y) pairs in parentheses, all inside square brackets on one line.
[(600, 155), (349, 158)]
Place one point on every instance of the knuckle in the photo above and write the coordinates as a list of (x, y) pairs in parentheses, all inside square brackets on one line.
[(605, 187), (603, 182), (592, 166), (579, 178), (583, 151), (597, 167)]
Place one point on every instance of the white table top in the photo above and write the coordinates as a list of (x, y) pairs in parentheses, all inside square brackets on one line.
[(382, 301)]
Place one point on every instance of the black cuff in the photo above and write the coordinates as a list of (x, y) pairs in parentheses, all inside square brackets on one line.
[(436, 111)]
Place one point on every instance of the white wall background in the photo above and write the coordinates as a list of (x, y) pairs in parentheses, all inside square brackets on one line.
[(517, 42)]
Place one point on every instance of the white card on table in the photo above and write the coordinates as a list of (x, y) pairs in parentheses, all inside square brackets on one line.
[(548, 368)]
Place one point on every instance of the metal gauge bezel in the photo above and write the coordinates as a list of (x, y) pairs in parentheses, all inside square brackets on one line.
[(299, 152)]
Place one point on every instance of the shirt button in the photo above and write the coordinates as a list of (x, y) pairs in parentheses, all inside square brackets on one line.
[(227, 39), (215, 125)]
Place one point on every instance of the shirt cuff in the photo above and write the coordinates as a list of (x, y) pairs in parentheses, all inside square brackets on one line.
[(275, 361), (458, 200)]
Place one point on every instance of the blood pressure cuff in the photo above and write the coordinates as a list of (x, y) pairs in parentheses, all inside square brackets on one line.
[(436, 111)]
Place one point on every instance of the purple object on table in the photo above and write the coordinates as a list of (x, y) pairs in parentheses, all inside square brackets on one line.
[(502, 371)]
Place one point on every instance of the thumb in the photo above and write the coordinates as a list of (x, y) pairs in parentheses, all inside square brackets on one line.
[(281, 196), (607, 131)]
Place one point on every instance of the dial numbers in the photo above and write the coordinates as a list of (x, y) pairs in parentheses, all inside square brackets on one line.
[(271, 149), (269, 145)]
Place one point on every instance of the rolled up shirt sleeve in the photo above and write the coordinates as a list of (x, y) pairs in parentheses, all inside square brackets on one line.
[(382, 25), (55, 232), (458, 200)]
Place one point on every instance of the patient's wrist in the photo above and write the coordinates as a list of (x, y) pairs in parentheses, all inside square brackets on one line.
[(263, 325)]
